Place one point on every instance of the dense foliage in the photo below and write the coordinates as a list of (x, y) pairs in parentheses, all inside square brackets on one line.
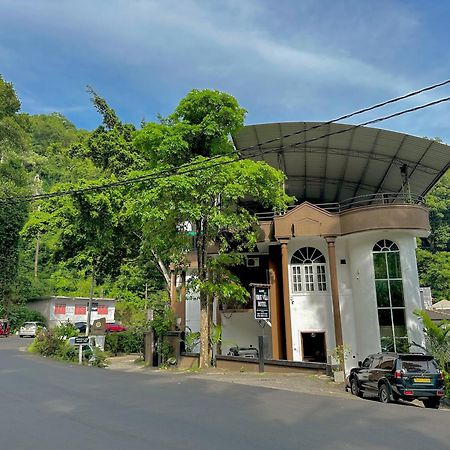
[(433, 255), (437, 343)]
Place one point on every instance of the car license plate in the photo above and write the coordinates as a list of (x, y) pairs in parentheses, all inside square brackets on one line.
[(422, 380)]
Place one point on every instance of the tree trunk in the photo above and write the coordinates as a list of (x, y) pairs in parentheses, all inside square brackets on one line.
[(202, 239), (36, 254), (162, 268)]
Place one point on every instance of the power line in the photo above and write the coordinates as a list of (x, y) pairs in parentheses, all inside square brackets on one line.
[(192, 167), (355, 113), (352, 127)]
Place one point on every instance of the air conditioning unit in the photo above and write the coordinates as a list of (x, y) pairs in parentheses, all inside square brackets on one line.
[(252, 261)]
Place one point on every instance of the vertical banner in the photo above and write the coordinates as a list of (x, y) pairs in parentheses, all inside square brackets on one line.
[(261, 301)]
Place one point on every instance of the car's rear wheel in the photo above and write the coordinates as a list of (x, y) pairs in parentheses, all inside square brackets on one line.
[(383, 394), (354, 387), (432, 403)]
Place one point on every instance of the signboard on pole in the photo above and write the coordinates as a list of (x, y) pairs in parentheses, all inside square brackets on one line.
[(261, 301), (81, 340)]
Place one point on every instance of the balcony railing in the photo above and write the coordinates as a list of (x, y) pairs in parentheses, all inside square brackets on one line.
[(385, 198)]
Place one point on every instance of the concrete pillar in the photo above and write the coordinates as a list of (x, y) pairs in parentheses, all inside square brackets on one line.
[(334, 290), (277, 346), (182, 303), (286, 300)]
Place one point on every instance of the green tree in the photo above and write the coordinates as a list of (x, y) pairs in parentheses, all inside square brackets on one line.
[(13, 152), (434, 271), (209, 198), (437, 343), (438, 200), (433, 255)]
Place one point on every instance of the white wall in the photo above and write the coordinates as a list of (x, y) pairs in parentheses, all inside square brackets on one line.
[(241, 329), (193, 311), (362, 276), (311, 311), (47, 308)]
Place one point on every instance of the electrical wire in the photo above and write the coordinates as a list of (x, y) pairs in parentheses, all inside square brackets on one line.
[(192, 166)]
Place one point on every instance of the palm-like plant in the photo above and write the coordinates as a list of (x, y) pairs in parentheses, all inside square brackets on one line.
[(437, 339)]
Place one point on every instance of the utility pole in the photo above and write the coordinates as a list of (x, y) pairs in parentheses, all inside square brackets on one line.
[(91, 295), (37, 190)]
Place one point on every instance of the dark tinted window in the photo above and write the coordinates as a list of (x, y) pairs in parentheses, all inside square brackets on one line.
[(420, 365), (366, 363), (376, 362), (387, 364)]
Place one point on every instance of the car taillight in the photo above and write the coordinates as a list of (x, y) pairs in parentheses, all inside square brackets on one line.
[(408, 392), (398, 374), (440, 393)]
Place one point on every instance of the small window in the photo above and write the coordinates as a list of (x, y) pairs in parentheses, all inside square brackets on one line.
[(308, 270), (80, 310), (102, 309), (60, 308), (366, 363)]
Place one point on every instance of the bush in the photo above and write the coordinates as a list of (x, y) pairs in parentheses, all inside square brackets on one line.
[(47, 343), (99, 358), (130, 341)]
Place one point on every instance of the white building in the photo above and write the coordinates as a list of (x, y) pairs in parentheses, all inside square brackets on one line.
[(57, 310), (341, 262)]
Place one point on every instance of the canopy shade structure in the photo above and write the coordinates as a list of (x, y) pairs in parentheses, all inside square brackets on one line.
[(335, 162)]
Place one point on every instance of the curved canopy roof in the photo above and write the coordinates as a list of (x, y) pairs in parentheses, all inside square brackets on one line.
[(334, 162)]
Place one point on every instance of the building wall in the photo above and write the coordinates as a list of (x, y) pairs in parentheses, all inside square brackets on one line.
[(47, 308), (313, 312), (363, 284), (241, 329)]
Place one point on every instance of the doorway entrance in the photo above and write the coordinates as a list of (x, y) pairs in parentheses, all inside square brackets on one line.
[(314, 347)]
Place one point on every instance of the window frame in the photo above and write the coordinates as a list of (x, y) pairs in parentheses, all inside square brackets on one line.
[(60, 309), (387, 247), (309, 276)]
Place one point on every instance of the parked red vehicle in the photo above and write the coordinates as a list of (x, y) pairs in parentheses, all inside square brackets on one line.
[(114, 327), (4, 328)]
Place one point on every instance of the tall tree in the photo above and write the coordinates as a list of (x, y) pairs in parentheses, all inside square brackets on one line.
[(13, 147), (209, 198), (433, 255)]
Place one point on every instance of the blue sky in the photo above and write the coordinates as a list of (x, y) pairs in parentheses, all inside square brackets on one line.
[(284, 61)]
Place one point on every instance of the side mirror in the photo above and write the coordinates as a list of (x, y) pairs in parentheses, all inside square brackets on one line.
[(359, 363)]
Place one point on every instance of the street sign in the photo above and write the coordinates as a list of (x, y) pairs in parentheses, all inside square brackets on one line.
[(261, 301), (81, 340)]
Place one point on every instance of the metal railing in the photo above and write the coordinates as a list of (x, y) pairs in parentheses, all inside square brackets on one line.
[(383, 198)]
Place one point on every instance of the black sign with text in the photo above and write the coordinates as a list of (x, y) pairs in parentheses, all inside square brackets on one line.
[(261, 302)]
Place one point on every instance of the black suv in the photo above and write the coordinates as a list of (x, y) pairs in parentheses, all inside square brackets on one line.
[(393, 376)]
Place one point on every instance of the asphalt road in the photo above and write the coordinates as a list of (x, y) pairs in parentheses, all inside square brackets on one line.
[(49, 405)]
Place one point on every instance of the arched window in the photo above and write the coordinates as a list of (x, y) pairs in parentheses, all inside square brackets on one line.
[(390, 298), (308, 270)]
